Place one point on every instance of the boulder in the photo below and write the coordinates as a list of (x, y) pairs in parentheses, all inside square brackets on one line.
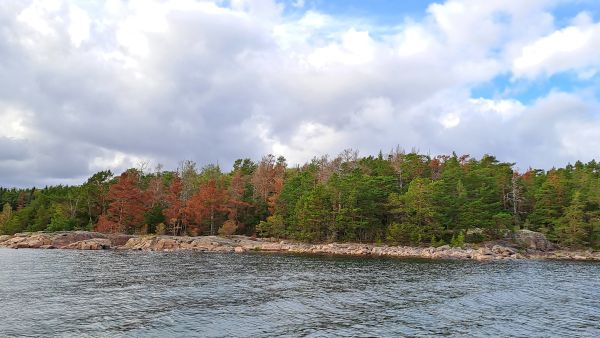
[(483, 254), (201, 244), (4, 238), (23, 241), (13, 241), (528, 239), (139, 243), (503, 251), (166, 244), (91, 244), (37, 241)]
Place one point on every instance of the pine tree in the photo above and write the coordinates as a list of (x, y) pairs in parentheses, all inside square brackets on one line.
[(420, 209), (5, 217), (548, 206), (572, 228)]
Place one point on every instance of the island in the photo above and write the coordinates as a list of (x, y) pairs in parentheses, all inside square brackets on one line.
[(399, 204)]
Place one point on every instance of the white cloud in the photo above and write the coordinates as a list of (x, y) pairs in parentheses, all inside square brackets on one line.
[(414, 39), (38, 16), (263, 9), (13, 122), (116, 160), (450, 120), (79, 27), (298, 3), (355, 48), (571, 48), (581, 140), (109, 85), (504, 108), (309, 139)]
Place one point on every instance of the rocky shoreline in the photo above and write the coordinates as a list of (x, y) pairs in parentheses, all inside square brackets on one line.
[(526, 245)]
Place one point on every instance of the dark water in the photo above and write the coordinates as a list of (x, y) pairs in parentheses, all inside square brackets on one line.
[(83, 293)]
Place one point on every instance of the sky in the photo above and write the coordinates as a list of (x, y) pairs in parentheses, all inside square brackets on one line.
[(94, 85)]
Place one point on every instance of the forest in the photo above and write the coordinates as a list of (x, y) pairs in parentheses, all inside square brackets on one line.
[(403, 198)]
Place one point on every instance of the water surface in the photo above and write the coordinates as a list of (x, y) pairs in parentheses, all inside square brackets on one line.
[(110, 293)]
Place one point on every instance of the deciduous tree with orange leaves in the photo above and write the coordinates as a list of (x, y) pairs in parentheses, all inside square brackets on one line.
[(175, 207), (210, 201), (125, 212)]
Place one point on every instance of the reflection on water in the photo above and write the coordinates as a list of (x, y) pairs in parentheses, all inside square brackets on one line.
[(82, 293)]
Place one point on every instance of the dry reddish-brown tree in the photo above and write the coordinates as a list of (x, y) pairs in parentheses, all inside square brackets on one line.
[(210, 200), (236, 190), (21, 201), (174, 211), (262, 177), (268, 180), (277, 185), (436, 166), (125, 212)]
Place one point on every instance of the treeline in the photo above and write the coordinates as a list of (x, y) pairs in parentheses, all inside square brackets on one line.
[(399, 198)]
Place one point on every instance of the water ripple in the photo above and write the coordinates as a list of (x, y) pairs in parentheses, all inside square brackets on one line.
[(131, 294)]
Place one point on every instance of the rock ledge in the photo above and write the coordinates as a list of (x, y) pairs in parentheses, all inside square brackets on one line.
[(528, 246)]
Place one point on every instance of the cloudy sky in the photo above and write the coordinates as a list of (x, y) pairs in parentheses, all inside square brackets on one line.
[(87, 86)]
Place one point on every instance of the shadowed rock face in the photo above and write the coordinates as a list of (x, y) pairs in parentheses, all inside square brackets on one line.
[(537, 247), (119, 239), (63, 239), (532, 240)]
